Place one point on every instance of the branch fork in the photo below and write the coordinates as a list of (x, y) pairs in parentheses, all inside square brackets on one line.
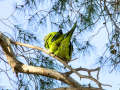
[(17, 66)]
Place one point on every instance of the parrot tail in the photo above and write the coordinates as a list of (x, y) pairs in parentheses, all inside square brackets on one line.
[(72, 30)]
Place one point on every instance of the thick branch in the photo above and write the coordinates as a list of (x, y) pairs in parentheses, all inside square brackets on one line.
[(48, 73), (41, 49), (6, 46), (20, 67)]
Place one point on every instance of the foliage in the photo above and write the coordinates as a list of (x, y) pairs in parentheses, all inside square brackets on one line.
[(61, 14)]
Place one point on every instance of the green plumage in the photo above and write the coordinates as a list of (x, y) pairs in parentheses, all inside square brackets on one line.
[(57, 35), (59, 43), (50, 38), (65, 49), (56, 43)]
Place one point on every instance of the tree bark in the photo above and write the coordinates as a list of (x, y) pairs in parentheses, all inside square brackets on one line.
[(18, 66)]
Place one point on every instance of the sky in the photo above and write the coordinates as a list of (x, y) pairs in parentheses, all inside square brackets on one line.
[(113, 79)]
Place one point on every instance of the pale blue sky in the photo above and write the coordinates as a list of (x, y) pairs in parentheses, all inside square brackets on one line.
[(6, 8)]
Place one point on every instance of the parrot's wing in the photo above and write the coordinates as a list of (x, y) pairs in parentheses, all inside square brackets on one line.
[(63, 50), (57, 35), (66, 48), (56, 44)]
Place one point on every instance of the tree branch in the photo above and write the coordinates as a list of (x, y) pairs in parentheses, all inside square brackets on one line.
[(72, 88), (17, 66), (20, 67), (84, 69), (52, 55)]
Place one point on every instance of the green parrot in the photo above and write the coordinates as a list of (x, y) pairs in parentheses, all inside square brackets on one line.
[(56, 43), (65, 49), (51, 37)]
